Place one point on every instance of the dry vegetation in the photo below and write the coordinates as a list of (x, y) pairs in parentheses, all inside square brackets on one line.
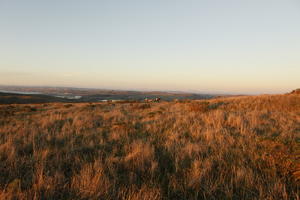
[(227, 148)]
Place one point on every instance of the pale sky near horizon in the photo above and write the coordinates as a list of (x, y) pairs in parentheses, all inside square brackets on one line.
[(233, 46)]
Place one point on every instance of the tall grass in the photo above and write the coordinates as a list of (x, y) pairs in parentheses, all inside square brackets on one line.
[(226, 148)]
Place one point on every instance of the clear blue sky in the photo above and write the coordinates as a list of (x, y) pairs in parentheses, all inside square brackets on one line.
[(188, 45)]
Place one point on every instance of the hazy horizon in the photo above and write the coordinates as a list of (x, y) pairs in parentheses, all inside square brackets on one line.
[(206, 46), (216, 92)]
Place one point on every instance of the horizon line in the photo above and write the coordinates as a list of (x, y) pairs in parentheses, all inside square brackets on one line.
[(145, 90)]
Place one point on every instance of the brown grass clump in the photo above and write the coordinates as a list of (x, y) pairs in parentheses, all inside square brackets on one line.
[(91, 182), (225, 148), (297, 173), (145, 193), (199, 106)]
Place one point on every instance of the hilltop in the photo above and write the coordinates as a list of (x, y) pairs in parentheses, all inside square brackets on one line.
[(297, 91), (225, 148)]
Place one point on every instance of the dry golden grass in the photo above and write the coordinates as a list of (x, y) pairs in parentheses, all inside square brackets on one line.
[(225, 148)]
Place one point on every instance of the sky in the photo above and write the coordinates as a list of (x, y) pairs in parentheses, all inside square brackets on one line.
[(225, 46)]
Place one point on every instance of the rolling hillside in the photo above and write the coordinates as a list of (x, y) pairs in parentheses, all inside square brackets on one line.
[(226, 148)]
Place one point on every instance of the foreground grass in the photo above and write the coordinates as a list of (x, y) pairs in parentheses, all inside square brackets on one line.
[(231, 148)]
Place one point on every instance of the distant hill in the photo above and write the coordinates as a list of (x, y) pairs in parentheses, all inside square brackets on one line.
[(11, 98), (16, 95), (297, 91)]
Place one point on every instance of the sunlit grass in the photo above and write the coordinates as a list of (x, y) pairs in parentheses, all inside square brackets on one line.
[(225, 148)]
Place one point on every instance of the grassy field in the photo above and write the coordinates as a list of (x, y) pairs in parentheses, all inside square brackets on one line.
[(225, 148)]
